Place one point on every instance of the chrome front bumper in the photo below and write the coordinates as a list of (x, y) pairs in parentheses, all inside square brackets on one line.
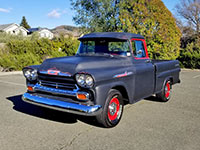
[(62, 105)]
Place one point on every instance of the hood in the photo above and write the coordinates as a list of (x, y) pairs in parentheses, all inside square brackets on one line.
[(74, 64)]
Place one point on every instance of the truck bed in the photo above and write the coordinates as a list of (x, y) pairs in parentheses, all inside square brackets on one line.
[(165, 69)]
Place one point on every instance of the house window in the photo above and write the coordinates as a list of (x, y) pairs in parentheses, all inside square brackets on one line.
[(138, 49)]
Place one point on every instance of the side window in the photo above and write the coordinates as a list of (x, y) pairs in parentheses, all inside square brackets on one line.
[(138, 49), (87, 46)]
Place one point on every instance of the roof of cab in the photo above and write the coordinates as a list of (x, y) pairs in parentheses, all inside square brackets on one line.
[(113, 35)]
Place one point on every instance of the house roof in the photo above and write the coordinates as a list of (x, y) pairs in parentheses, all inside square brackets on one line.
[(33, 29), (37, 29), (23, 28), (113, 35), (4, 26)]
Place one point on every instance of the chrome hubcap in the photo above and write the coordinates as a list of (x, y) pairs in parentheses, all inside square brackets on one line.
[(114, 111), (112, 108)]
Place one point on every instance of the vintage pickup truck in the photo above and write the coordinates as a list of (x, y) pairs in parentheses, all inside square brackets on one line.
[(109, 70)]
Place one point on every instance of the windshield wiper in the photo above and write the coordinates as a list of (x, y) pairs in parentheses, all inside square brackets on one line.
[(96, 54)]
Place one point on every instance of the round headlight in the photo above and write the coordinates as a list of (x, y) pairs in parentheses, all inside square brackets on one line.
[(84, 80), (27, 74), (89, 80), (34, 75), (80, 78), (30, 74)]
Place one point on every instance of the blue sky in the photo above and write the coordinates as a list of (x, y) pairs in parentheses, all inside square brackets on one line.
[(44, 13)]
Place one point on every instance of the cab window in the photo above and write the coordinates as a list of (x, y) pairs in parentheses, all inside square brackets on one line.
[(138, 49)]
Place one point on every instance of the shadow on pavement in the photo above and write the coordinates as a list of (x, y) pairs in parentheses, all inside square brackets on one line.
[(49, 114), (154, 99)]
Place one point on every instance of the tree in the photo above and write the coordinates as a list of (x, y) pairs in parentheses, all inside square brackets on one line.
[(24, 23), (186, 29), (97, 15), (149, 18), (189, 10), (153, 20)]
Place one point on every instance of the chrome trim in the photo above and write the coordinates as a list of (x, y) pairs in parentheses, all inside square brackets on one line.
[(38, 87), (85, 93), (84, 85), (55, 72), (62, 105), (56, 84), (123, 74), (31, 85), (33, 74)]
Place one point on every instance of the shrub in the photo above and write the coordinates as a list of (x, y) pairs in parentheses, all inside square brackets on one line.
[(12, 62), (5, 37), (31, 51), (190, 56)]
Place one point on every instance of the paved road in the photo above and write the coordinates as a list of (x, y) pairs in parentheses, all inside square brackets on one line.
[(146, 125)]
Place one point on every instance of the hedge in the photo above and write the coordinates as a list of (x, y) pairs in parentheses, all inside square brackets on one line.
[(19, 53), (190, 55)]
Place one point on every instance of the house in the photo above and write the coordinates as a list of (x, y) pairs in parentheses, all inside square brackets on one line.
[(13, 28), (43, 32)]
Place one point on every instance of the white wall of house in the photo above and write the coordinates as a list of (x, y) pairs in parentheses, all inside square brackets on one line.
[(21, 30), (11, 29), (44, 33), (16, 29)]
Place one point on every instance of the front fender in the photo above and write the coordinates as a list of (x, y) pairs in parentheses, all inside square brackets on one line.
[(103, 90), (32, 67)]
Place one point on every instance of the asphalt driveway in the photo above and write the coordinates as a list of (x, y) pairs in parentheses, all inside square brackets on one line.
[(146, 125)]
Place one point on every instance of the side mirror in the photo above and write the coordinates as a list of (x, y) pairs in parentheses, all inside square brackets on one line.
[(139, 52)]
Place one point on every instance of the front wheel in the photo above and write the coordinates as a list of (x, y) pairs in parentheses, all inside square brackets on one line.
[(165, 94), (113, 109)]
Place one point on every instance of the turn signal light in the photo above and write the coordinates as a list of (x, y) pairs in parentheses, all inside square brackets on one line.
[(30, 88), (82, 96)]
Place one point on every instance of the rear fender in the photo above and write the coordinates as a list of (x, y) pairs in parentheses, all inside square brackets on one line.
[(164, 82)]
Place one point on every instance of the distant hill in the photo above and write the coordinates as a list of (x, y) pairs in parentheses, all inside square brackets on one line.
[(67, 27), (66, 30)]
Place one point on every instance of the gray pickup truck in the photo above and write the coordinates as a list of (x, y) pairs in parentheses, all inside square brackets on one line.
[(109, 70)]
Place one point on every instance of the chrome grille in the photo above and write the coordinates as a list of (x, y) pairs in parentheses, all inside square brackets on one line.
[(58, 82)]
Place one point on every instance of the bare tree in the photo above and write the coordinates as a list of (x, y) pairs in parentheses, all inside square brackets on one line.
[(189, 10)]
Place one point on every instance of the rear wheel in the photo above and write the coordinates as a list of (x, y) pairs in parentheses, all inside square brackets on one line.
[(113, 109), (165, 94)]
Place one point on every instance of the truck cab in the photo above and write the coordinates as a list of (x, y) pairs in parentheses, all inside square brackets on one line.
[(109, 70)]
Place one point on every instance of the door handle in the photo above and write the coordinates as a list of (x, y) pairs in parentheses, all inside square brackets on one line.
[(148, 61)]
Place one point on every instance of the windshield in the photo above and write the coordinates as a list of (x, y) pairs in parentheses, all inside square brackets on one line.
[(111, 47)]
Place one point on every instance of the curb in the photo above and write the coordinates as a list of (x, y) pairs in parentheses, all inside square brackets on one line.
[(11, 73), (185, 69)]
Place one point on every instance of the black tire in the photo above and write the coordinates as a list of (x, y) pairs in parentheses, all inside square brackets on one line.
[(165, 94), (112, 110)]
